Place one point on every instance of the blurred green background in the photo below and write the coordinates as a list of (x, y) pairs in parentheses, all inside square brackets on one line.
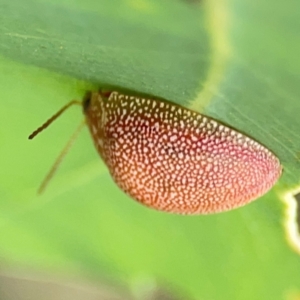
[(235, 60)]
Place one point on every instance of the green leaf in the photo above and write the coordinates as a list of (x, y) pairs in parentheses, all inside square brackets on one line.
[(237, 61)]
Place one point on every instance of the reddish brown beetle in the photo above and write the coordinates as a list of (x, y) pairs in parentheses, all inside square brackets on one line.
[(173, 159)]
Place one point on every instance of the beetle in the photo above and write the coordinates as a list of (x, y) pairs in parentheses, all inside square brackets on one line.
[(171, 158)]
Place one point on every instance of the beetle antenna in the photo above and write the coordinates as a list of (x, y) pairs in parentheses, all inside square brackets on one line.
[(60, 158), (53, 118)]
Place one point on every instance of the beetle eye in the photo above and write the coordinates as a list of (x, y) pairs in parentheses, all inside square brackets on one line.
[(86, 101)]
